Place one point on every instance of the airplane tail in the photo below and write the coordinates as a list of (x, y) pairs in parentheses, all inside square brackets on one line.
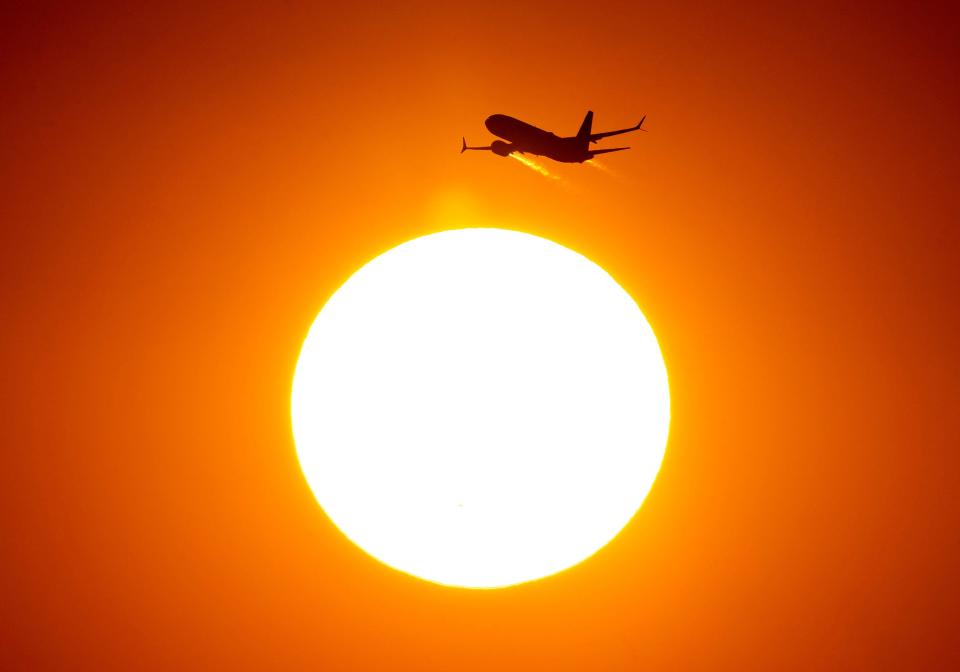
[(585, 127)]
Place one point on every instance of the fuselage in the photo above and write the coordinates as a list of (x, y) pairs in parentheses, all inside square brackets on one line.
[(529, 139)]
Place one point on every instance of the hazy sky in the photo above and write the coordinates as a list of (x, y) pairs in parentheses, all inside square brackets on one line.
[(185, 185)]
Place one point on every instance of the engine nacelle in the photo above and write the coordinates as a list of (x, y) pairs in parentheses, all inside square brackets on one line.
[(501, 148)]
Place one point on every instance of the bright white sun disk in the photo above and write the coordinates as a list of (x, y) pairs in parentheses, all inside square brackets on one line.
[(480, 408)]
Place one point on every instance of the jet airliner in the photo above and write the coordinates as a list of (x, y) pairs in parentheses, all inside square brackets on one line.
[(526, 139)]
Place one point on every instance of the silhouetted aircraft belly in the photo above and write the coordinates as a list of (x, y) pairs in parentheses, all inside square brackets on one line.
[(526, 139)]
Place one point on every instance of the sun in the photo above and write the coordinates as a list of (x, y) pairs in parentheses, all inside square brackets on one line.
[(480, 408)]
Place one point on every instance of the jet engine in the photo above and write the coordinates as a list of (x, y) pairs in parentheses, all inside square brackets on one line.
[(501, 148)]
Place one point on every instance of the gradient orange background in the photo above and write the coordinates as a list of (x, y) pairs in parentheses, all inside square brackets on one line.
[(185, 185)]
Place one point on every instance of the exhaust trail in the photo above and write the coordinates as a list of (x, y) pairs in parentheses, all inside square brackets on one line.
[(534, 166), (616, 175), (601, 167)]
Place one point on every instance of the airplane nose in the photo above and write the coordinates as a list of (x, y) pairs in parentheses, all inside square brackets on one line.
[(494, 122)]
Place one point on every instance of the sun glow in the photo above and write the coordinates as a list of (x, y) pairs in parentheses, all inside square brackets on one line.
[(480, 408)]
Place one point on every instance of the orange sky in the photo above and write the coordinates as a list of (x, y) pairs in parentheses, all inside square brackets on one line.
[(185, 186)]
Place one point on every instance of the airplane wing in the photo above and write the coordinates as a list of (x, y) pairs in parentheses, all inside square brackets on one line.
[(598, 136), (464, 146)]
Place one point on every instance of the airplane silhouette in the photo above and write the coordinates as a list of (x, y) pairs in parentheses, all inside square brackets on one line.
[(527, 139)]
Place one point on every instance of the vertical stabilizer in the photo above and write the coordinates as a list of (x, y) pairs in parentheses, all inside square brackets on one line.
[(585, 127)]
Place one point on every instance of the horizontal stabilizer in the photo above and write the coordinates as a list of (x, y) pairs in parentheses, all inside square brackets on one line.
[(606, 151)]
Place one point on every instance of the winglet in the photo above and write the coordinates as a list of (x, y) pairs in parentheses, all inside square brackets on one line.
[(641, 123), (464, 147)]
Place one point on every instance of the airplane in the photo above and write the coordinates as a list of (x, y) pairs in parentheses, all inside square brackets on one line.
[(527, 139)]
